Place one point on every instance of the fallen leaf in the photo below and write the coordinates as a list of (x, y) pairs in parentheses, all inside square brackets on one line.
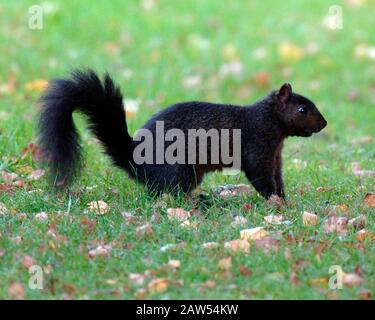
[(262, 80), (267, 244), (234, 190), (42, 216), (158, 285), (189, 225), (16, 291), (101, 250), (290, 52), (352, 279), (225, 263), (238, 245), (137, 278), (362, 235), (274, 219), (358, 171), (144, 231), (245, 271), (129, 218), (324, 189), (210, 245), (36, 174), (174, 264), (294, 279), (9, 176), (362, 140), (365, 294), (99, 207), (336, 224), (253, 234), (309, 219), (239, 221), (369, 199), (178, 214), (28, 261), (36, 85), (358, 222)]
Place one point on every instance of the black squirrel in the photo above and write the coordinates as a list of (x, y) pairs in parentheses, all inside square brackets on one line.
[(264, 126)]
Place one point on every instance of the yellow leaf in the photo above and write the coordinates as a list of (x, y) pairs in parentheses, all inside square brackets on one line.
[(36, 85)]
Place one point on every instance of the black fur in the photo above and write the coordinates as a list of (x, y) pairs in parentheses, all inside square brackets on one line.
[(264, 126)]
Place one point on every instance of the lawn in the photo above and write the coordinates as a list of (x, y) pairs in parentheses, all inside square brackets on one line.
[(162, 52)]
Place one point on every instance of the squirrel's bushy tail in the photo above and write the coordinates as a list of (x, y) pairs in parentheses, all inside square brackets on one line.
[(101, 102)]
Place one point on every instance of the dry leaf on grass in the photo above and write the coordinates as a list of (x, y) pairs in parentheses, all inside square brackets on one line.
[(362, 140), (363, 234), (16, 291), (101, 250), (36, 174), (358, 171), (41, 216), (352, 279), (178, 214), (239, 221), (225, 263), (274, 219), (210, 245), (336, 224), (267, 244), (9, 176), (28, 261), (370, 199), (358, 222), (144, 231), (234, 190), (238, 245), (158, 285), (129, 218), (174, 264), (137, 278), (99, 207), (253, 234), (189, 225), (309, 219), (36, 85), (365, 294)]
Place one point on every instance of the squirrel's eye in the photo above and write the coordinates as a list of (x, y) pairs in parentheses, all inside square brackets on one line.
[(302, 109)]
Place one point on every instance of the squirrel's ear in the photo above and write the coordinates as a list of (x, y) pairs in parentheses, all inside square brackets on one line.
[(285, 92)]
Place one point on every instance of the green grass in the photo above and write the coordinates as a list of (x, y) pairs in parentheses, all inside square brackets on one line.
[(162, 47)]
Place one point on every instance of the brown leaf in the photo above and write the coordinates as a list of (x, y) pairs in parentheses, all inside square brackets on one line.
[(101, 250), (365, 294), (174, 264), (159, 285), (178, 214), (225, 263), (336, 224), (238, 246), (274, 218), (36, 174), (35, 151), (352, 279), (309, 218), (234, 190), (210, 245), (28, 261), (239, 221), (144, 231), (99, 207), (370, 199), (262, 80), (294, 279), (245, 271), (267, 244), (358, 171), (253, 234), (358, 222), (16, 291), (41, 216)]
